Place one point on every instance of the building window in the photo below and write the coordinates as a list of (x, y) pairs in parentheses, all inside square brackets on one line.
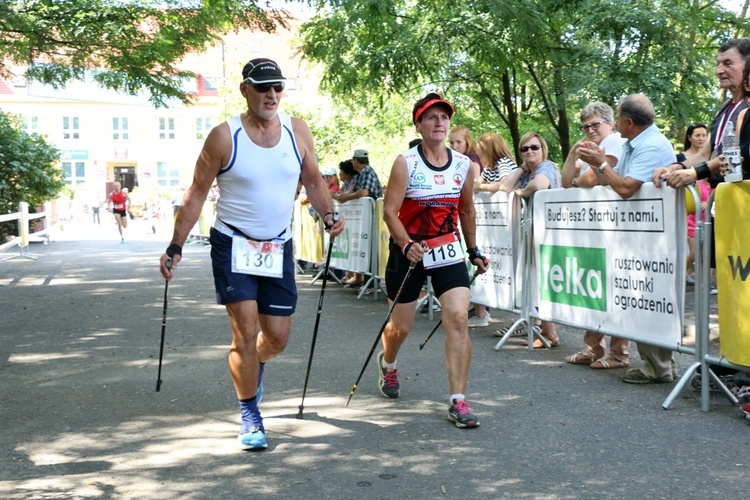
[(202, 127), (166, 128), (31, 124), (120, 129), (71, 129), (74, 172), (167, 175)]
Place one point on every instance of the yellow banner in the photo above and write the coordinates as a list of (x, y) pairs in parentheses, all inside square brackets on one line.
[(307, 243), (732, 230)]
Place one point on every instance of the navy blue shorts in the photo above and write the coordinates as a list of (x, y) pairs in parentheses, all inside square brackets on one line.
[(443, 278), (275, 296)]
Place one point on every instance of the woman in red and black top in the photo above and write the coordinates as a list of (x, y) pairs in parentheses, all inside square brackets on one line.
[(429, 193), (118, 201)]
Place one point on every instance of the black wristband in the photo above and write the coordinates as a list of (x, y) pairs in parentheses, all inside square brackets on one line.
[(407, 246), (702, 171), (682, 165), (174, 249), (474, 253)]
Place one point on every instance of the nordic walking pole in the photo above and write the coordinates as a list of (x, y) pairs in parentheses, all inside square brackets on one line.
[(317, 318), (380, 333), (421, 346), (163, 325)]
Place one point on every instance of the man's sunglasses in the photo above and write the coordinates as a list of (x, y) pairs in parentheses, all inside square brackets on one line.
[(278, 87), (533, 147)]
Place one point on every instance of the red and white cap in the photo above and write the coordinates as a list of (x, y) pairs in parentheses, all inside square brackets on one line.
[(418, 112)]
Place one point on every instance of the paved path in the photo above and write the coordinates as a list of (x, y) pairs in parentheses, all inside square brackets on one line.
[(79, 345)]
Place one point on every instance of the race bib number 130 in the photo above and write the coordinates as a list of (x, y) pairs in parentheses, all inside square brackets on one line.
[(442, 251), (260, 258)]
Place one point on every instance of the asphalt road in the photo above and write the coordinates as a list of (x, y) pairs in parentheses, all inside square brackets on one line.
[(79, 347)]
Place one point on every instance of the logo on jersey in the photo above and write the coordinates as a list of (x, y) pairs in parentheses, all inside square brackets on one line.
[(439, 180), (419, 178), (458, 179)]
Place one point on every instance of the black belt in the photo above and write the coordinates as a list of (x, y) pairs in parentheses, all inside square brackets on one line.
[(246, 236)]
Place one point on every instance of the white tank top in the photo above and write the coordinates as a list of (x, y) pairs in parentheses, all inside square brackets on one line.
[(257, 186)]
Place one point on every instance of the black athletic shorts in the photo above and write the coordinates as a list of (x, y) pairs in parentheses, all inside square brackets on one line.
[(275, 296), (443, 278)]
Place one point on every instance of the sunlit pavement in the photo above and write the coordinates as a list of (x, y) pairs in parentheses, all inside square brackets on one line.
[(79, 348)]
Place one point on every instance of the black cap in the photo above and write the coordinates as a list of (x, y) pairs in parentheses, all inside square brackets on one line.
[(262, 71)]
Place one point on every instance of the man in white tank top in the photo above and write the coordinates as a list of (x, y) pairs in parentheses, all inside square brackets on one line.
[(257, 159)]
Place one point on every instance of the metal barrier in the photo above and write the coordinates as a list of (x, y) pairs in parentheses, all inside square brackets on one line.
[(356, 248), (526, 255), (577, 231), (24, 236)]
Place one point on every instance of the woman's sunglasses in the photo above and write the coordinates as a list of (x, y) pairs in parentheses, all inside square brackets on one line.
[(533, 147)]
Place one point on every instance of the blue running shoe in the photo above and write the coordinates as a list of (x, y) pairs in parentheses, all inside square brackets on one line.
[(253, 440)]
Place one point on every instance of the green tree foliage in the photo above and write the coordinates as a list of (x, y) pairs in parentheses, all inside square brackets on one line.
[(518, 65), (382, 128), (129, 46), (28, 167)]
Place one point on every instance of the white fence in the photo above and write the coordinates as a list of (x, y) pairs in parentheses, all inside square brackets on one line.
[(24, 237)]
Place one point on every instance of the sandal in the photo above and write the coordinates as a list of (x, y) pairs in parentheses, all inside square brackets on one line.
[(607, 363), (538, 343), (580, 358), (518, 332)]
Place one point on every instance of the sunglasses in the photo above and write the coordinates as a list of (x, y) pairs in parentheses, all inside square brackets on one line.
[(278, 87), (592, 126), (533, 147)]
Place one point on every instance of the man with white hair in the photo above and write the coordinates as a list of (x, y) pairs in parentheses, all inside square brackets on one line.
[(257, 159)]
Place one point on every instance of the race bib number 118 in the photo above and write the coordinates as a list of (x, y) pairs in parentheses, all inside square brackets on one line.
[(442, 251)]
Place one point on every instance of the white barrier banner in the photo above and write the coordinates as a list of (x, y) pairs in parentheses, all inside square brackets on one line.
[(498, 230), (352, 249), (613, 264)]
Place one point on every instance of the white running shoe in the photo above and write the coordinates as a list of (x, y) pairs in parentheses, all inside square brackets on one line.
[(477, 322)]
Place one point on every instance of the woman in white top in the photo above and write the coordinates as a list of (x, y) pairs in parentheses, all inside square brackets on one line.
[(597, 124)]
